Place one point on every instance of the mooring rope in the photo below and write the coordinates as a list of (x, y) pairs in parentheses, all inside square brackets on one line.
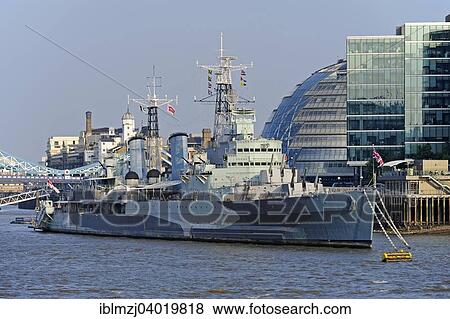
[(379, 221)]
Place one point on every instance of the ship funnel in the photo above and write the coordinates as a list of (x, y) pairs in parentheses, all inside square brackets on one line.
[(178, 152), (136, 148)]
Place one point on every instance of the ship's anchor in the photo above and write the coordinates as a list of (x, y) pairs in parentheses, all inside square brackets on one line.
[(397, 254)]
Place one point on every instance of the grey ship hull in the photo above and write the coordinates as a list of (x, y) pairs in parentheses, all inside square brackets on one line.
[(339, 220)]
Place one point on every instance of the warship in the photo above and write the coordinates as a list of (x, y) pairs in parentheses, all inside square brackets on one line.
[(236, 188)]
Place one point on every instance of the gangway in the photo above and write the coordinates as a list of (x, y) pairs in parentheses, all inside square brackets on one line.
[(443, 187), (23, 197), (379, 208)]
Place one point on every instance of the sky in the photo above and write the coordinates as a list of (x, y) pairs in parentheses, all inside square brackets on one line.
[(44, 91)]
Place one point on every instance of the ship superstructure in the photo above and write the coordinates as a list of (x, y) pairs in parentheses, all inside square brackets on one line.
[(151, 106), (236, 156)]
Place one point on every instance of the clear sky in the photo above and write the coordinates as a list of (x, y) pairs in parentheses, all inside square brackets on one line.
[(44, 91)]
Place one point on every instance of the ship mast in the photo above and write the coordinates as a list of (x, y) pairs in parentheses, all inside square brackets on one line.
[(224, 97), (152, 103), (150, 106)]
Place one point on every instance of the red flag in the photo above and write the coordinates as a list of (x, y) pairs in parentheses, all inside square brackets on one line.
[(377, 157), (53, 187), (170, 109)]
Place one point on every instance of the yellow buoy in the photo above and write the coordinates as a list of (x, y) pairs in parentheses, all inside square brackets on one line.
[(399, 255)]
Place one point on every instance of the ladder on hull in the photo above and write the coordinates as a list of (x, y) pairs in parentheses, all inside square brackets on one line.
[(43, 214)]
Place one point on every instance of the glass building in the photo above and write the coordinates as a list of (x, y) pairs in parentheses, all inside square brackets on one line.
[(398, 92), (311, 122), (375, 96), (427, 85)]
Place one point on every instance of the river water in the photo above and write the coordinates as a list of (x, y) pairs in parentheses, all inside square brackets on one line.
[(46, 265)]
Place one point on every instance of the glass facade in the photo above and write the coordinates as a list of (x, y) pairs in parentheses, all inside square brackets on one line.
[(311, 122), (398, 92), (427, 86), (375, 97)]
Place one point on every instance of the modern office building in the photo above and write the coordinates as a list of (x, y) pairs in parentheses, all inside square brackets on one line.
[(311, 122), (398, 92)]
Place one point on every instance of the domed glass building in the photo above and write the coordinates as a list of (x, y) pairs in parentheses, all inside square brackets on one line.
[(311, 122)]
